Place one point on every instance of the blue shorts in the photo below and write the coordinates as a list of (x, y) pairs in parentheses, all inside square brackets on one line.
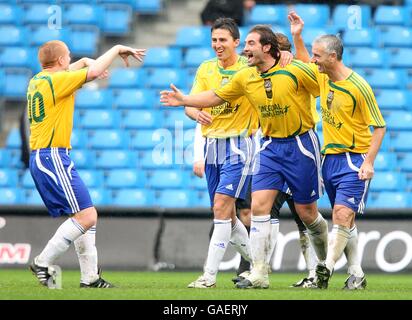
[(342, 184), (59, 184), (228, 166), (295, 161)]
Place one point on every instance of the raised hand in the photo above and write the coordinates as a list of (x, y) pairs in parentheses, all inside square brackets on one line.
[(296, 23)]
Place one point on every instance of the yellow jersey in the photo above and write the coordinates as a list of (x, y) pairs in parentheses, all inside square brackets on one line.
[(230, 119), (282, 101), (50, 104), (348, 109)]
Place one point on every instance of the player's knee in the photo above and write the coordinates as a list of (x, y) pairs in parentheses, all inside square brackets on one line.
[(223, 208), (343, 216), (87, 217)]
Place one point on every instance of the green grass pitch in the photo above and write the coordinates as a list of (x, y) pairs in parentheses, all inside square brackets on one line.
[(22, 285)]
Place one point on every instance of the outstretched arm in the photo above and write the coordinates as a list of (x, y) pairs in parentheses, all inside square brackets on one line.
[(100, 65), (176, 98), (84, 63), (296, 27)]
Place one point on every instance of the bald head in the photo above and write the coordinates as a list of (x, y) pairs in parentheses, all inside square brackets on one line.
[(50, 53)]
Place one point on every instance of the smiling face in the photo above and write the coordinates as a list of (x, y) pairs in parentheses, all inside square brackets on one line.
[(224, 44), (321, 57), (254, 50)]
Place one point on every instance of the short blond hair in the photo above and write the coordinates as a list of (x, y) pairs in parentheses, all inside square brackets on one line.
[(50, 52)]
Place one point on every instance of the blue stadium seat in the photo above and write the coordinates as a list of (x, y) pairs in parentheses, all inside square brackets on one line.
[(195, 56), (402, 141), (163, 57), (399, 120), (135, 99), (8, 177), (2, 81), (169, 178), (385, 161), (202, 201), (405, 161), (81, 13), (16, 82), (388, 181), (40, 34), (94, 99), (10, 14), (83, 158), (193, 36), (15, 160), (366, 57), (198, 183), (91, 178), (314, 15), (156, 159), (387, 199), (384, 78), (100, 196), (390, 15), (400, 58), (352, 17), (393, 99), (32, 198), (108, 139), (141, 119), (100, 119), (324, 202), (177, 119), (115, 159), (310, 34), (27, 180), (11, 35), (37, 13), (10, 196), (365, 37), (268, 14), (170, 198), (4, 158), (18, 57), (125, 178), (134, 198), (117, 19), (395, 36), (83, 40), (146, 139), (79, 139), (127, 78), (13, 140), (161, 78), (149, 7)]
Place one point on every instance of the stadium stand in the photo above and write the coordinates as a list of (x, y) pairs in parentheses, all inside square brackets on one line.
[(116, 138)]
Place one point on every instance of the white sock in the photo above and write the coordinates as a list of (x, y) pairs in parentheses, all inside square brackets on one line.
[(308, 253), (318, 235), (351, 253), (259, 238), (217, 246), (337, 243), (240, 240), (85, 246), (68, 232), (273, 238)]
